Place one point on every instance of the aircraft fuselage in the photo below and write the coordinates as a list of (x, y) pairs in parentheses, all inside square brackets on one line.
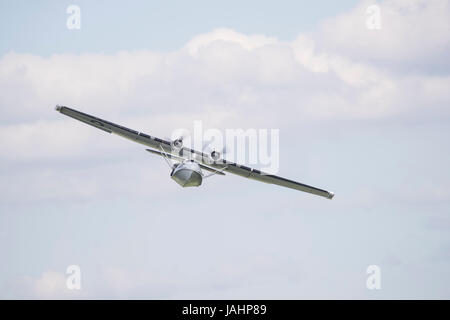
[(187, 174)]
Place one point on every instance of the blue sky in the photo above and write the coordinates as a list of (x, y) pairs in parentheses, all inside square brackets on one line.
[(361, 112), (109, 26)]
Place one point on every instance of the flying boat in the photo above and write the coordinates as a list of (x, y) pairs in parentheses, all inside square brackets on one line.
[(189, 167)]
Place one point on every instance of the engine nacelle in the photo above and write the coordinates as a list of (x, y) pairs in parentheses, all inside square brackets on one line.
[(177, 143), (215, 155)]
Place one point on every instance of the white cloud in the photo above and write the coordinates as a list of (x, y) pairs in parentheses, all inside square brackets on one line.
[(247, 42), (49, 285), (228, 80), (414, 34), (342, 71)]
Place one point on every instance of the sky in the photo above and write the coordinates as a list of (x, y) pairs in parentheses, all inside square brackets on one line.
[(361, 111)]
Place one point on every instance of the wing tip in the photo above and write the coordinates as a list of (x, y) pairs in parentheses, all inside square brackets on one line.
[(58, 107), (330, 195)]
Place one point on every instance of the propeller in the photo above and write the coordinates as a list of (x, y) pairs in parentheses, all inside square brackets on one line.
[(216, 155), (177, 143)]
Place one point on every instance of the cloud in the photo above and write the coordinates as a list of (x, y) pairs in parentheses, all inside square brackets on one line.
[(343, 62), (414, 35), (228, 80), (49, 285), (247, 42)]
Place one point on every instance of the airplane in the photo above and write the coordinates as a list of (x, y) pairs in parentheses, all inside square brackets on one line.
[(188, 170)]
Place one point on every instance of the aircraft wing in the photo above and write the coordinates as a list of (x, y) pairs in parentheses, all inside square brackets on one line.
[(185, 153), (280, 181), (110, 127), (261, 176)]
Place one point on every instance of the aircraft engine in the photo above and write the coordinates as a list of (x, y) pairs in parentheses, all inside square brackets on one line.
[(215, 155), (177, 143)]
